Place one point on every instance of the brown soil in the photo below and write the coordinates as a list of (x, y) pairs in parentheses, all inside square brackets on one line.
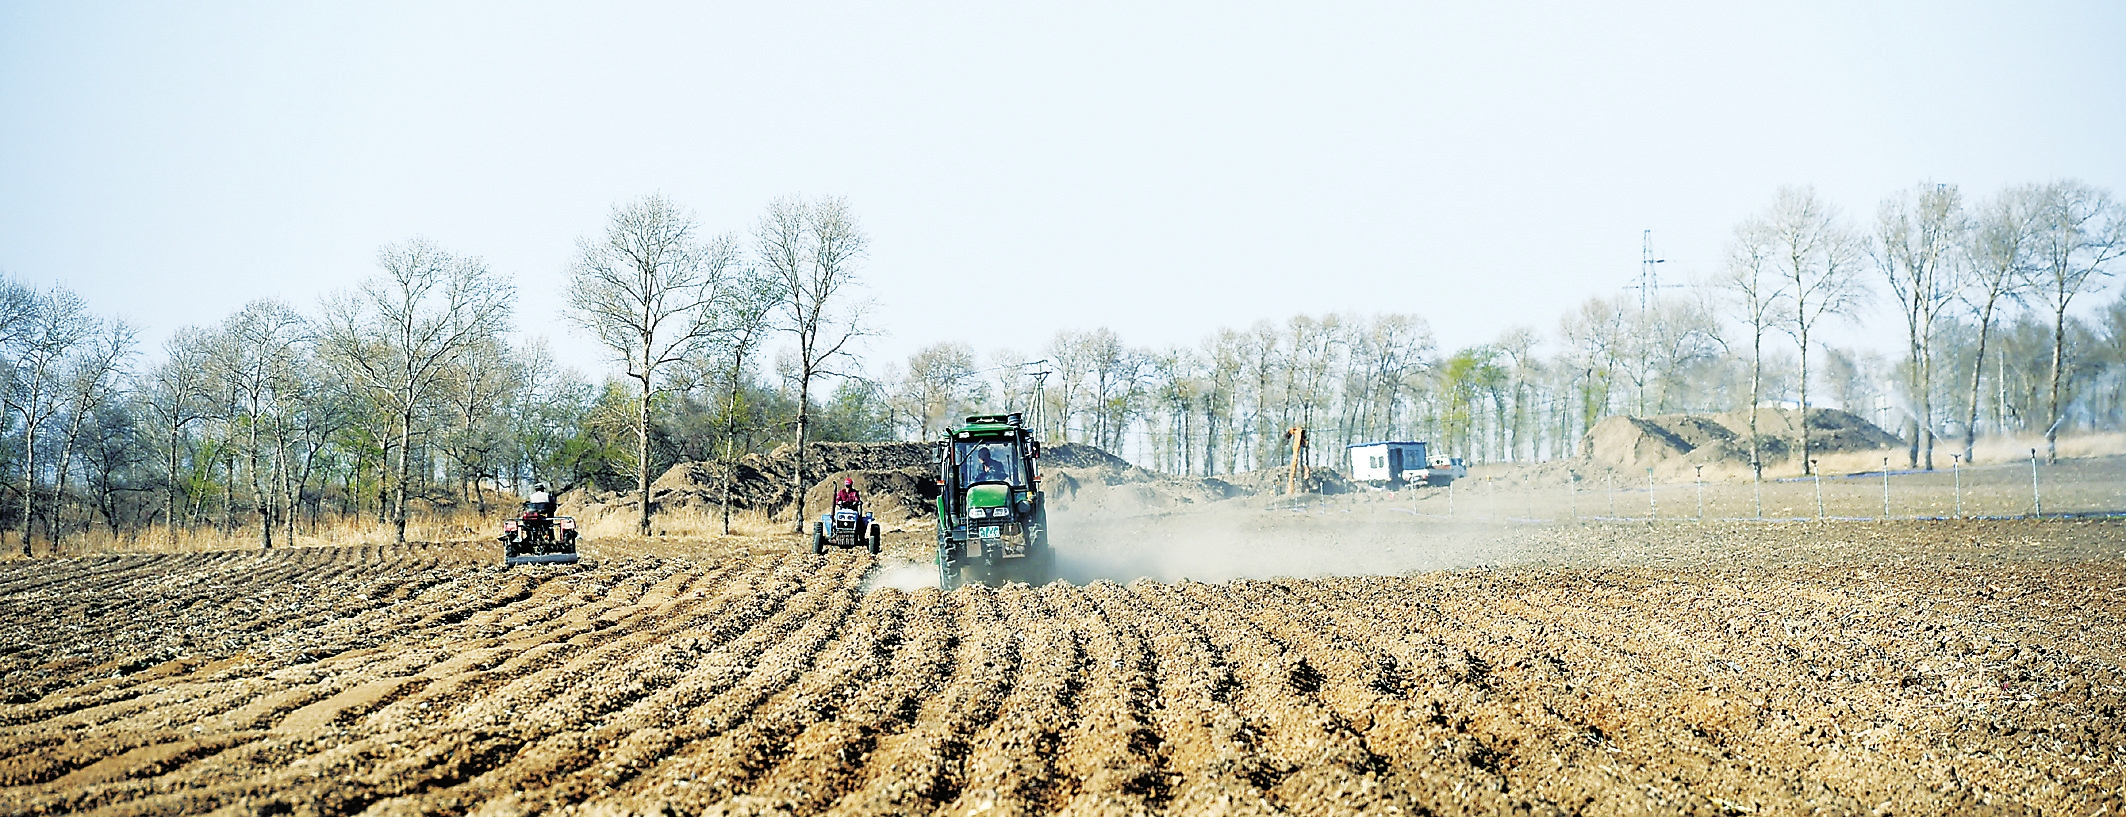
[(1842, 668), (1677, 442)]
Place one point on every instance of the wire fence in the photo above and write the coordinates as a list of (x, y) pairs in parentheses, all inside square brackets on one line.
[(2031, 489)]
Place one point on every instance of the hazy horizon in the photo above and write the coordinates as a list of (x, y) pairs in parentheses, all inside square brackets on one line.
[(1163, 172)]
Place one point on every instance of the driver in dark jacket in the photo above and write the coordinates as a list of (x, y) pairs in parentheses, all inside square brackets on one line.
[(988, 470)]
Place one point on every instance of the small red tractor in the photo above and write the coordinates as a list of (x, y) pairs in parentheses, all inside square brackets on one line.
[(537, 536)]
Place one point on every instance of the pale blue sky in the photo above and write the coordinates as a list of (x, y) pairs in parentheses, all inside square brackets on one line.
[(1160, 169)]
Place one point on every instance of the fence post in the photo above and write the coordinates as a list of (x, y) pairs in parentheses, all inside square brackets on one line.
[(1572, 494), (1653, 506), (1450, 497), (1956, 472), (1609, 484), (1757, 486), (1885, 487), (1701, 493), (2037, 501), (1819, 488)]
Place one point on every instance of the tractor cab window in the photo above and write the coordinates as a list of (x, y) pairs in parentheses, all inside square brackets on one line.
[(990, 462)]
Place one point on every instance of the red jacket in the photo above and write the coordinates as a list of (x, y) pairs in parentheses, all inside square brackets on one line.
[(845, 496)]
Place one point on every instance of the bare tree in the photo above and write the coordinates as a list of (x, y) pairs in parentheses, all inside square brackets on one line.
[(648, 291), (1919, 235), (1596, 336), (256, 361), (1517, 346), (1222, 354), (398, 334), (2001, 246), (810, 248), (2080, 231), (1067, 350), (1818, 255), (941, 382), (58, 322), (483, 382), (176, 393), (1754, 295), (744, 316), (1115, 375), (92, 375)]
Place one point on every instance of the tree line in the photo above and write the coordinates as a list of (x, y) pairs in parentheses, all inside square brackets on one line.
[(1985, 290), (411, 391)]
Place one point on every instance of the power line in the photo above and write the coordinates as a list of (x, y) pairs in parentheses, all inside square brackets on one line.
[(1649, 279)]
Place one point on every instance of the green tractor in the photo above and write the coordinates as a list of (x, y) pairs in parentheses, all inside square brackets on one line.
[(992, 520)]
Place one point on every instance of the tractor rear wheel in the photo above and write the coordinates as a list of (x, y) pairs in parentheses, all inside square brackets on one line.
[(871, 542), (948, 577)]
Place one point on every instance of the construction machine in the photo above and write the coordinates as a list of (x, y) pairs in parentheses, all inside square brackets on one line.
[(992, 515)]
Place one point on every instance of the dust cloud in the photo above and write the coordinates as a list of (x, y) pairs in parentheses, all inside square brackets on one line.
[(901, 575), (1235, 540)]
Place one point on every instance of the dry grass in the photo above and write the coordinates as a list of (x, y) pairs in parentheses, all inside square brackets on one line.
[(448, 525), (618, 520)]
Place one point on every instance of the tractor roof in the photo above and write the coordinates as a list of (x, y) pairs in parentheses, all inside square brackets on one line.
[(988, 424)]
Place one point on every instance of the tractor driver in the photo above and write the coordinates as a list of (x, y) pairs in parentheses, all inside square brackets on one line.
[(988, 469), (846, 496), (542, 500)]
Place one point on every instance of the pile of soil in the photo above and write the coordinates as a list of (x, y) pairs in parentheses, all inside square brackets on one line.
[(898, 484), (762, 482), (1274, 481), (892, 495), (1678, 442), (1080, 455)]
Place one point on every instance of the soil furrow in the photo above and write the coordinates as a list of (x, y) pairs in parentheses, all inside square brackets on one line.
[(1113, 751), (1208, 742), (825, 761), (1011, 765), (918, 770)]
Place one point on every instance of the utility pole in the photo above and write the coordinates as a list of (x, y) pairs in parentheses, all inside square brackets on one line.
[(1649, 280), (1040, 404)]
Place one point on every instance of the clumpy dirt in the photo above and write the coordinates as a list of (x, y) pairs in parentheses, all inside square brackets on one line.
[(1834, 668)]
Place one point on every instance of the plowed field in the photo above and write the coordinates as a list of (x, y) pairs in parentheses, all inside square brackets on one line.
[(1883, 668)]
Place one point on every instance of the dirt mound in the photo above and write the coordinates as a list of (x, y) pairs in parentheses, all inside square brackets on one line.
[(896, 480), (894, 496), (1275, 481), (1080, 455), (758, 481), (1081, 478), (1679, 442), (1630, 441)]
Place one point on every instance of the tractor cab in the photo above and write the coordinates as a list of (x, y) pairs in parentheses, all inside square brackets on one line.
[(992, 523)]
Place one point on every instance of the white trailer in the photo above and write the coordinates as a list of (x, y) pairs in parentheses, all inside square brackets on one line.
[(1388, 464)]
